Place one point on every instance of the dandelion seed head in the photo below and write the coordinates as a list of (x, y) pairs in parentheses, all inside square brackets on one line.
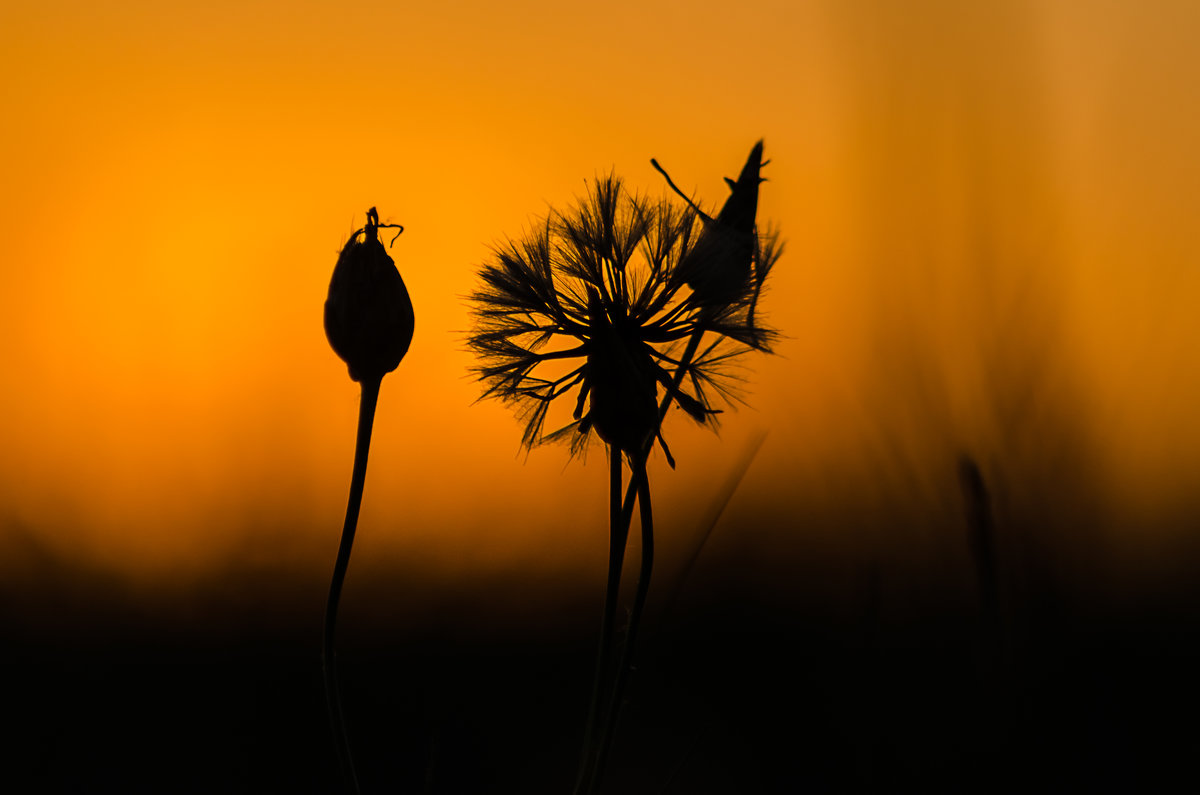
[(584, 318)]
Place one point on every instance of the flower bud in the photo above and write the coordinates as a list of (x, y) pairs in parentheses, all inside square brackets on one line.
[(368, 315), (718, 267)]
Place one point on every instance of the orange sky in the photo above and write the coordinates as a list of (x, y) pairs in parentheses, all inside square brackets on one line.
[(991, 247)]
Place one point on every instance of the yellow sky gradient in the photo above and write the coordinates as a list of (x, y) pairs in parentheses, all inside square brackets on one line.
[(990, 215)]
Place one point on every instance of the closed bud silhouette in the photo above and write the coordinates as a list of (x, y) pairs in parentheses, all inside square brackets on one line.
[(368, 315), (718, 267)]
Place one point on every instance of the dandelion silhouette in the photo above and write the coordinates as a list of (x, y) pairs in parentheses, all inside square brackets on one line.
[(593, 305), (369, 322)]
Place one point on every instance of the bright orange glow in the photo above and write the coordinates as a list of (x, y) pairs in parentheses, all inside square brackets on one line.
[(992, 248)]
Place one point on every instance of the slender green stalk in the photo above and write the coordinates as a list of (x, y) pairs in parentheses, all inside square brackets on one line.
[(642, 483), (333, 696)]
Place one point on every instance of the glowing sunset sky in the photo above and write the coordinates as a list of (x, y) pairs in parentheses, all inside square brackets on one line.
[(990, 212)]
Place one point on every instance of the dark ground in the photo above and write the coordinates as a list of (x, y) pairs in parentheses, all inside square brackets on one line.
[(745, 690)]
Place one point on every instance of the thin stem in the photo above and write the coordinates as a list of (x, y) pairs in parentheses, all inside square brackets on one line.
[(682, 195), (333, 696), (642, 483), (590, 766), (684, 362), (639, 486), (618, 535)]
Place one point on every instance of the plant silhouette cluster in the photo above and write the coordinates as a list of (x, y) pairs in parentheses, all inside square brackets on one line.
[(605, 304), (613, 287), (610, 300)]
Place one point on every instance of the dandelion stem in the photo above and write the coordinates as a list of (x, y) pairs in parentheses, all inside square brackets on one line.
[(676, 380), (642, 483), (590, 769), (333, 696), (620, 518), (618, 534)]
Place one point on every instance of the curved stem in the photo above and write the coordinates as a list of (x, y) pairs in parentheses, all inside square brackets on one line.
[(642, 483), (639, 486), (676, 381), (618, 535), (333, 696)]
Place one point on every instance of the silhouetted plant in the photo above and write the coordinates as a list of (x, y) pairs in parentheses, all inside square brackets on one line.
[(599, 300), (369, 322)]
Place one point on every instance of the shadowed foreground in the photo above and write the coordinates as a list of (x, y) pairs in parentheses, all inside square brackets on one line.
[(750, 687)]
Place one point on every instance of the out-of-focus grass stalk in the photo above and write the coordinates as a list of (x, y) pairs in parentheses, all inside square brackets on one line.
[(720, 504), (982, 541)]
